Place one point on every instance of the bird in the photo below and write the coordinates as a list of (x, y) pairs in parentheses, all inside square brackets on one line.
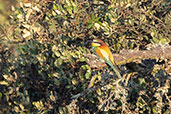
[(104, 54)]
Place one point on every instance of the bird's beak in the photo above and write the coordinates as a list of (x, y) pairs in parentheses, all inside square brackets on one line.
[(88, 43)]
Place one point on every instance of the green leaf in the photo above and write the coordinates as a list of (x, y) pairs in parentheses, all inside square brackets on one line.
[(154, 110), (87, 75), (164, 40), (155, 40), (54, 7), (90, 25), (0, 95), (58, 62), (68, 86), (82, 59)]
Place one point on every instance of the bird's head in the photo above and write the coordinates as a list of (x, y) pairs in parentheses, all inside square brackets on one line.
[(97, 43)]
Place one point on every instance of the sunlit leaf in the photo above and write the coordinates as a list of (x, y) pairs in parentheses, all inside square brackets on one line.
[(4, 83)]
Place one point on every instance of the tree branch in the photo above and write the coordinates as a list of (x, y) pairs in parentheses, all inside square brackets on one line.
[(127, 56)]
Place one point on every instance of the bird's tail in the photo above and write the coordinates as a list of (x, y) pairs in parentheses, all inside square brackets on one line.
[(115, 68), (117, 71)]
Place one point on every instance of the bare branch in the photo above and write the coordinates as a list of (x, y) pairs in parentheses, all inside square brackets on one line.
[(127, 56)]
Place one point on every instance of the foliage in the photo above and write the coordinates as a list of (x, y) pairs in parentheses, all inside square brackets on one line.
[(43, 62)]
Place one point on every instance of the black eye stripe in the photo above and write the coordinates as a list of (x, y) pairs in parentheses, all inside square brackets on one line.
[(97, 42)]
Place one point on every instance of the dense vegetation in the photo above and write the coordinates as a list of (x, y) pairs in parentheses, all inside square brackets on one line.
[(43, 61)]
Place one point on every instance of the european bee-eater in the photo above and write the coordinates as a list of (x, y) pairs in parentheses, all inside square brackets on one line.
[(104, 54)]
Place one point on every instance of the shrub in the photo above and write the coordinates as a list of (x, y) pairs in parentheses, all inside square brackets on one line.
[(44, 63)]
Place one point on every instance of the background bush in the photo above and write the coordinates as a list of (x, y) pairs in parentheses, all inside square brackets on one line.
[(43, 57)]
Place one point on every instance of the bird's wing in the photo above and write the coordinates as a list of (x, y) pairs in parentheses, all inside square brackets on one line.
[(97, 51), (112, 60), (108, 57), (104, 53)]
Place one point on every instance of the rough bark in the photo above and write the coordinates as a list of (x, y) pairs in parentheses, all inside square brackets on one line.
[(127, 56)]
